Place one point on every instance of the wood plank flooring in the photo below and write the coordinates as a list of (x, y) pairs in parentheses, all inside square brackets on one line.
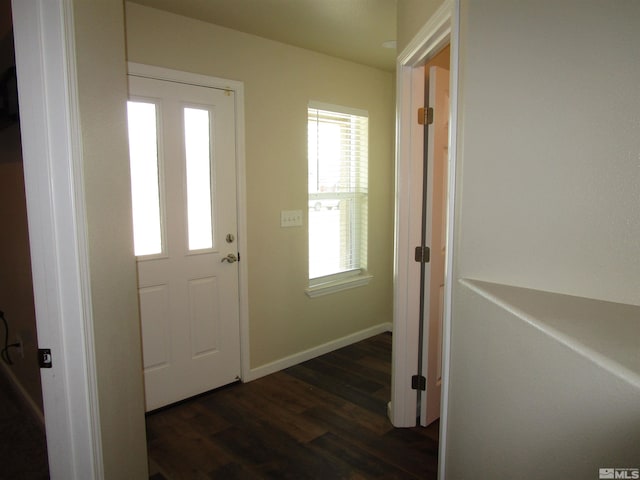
[(323, 419)]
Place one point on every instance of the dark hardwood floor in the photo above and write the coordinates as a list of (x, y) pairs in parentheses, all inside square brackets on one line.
[(23, 445), (322, 419)]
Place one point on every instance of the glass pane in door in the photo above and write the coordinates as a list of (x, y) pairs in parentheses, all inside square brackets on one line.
[(198, 164), (145, 190)]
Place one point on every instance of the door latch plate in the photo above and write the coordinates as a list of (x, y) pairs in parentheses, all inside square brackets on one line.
[(44, 358)]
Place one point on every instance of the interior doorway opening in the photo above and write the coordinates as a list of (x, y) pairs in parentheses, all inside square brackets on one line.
[(433, 38)]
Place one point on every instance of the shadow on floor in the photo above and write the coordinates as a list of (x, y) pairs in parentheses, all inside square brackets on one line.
[(23, 445)]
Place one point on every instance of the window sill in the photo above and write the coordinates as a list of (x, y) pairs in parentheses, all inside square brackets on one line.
[(334, 286)]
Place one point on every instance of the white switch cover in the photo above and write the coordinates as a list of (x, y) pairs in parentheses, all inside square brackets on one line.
[(291, 218)]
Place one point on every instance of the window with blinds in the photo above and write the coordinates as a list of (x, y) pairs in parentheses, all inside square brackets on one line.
[(338, 164)]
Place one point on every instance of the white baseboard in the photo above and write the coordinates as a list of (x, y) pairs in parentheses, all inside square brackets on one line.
[(314, 352), (23, 394)]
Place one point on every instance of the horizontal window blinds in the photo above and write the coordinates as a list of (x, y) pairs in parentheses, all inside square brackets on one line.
[(338, 184)]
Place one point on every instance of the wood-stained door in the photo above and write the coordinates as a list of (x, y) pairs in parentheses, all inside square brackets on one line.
[(183, 168), (437, 161)]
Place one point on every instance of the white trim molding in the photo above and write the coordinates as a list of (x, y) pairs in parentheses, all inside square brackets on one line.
[(440, 29), (161, 73), (451, 215), (410, 143), (430, 39), (336, 283), (51, 144), (178, 76), (314, 352)]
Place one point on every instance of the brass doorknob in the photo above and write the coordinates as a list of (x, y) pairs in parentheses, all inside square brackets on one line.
[(231, 258)]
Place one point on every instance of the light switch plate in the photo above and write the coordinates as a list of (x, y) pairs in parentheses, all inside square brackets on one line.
[(291, 218)]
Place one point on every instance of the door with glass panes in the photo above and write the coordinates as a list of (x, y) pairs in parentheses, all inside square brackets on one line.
[(183, 181)]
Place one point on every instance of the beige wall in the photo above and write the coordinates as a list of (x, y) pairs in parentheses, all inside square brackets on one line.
[(547, 198), (412, 15), (550, 147), (102, 96), (279, 81)]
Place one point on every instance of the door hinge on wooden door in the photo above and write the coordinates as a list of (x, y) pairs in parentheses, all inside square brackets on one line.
[(425, 116), (418, 382), (422, 254)]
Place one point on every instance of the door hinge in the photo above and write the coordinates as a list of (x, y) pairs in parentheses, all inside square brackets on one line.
[(425, 116), (422, 254), (418, 382), (44, 358)]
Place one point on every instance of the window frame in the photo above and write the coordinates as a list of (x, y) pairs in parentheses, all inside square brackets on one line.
[(354, 277)]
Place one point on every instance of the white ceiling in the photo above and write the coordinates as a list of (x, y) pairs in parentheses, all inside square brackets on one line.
[(351, 29)]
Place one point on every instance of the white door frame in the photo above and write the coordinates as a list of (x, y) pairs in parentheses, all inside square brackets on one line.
[(160, 73), (52, 158), (440, 29)]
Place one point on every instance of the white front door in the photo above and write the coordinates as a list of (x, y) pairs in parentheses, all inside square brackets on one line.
[(437, 160), (183, 176)]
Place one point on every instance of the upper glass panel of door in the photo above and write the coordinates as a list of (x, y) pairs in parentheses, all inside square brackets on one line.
[(145, 184), (146, 174), (197, 143)]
